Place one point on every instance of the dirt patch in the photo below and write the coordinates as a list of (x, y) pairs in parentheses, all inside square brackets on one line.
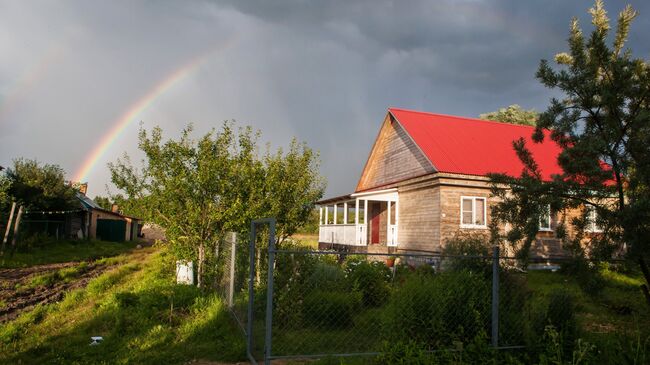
[(17, 295)]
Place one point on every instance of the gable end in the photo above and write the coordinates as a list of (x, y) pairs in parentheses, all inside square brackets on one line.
[(394, 157)]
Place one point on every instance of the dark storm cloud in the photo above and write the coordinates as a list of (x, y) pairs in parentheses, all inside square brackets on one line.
[(323, 71)]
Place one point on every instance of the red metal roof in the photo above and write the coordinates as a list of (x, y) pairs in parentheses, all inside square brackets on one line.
[(474, 146)]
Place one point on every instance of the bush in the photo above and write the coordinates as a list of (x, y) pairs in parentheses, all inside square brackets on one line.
[(330, 309), (326, 277), (561, 315), (586, 273), (296, 275), (403, 352), (370, 279), (438, 310), (468, 244), (513, 307)]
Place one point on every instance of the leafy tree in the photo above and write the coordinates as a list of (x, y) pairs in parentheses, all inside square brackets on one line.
[(40, 187), (603, 125), (513, 114), (103, 202), (199, 189)]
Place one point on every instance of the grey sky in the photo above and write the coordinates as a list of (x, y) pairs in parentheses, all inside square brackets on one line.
[(322, 71)]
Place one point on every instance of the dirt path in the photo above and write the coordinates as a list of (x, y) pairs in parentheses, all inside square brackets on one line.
[(25, 298)]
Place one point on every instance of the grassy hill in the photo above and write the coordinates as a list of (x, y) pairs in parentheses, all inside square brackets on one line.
[(143, 317)]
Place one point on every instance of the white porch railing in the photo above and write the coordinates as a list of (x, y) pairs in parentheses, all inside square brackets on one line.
[(345, 234)]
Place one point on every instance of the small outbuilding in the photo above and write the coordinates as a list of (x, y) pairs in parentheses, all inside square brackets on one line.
[(108, 225)]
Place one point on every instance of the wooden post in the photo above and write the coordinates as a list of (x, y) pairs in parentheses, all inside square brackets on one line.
[(365, 212), (320, 215), (345, 213), (336, 212), (327, 208), (356, 212), (13, 239), (388, 232), (11, 216)]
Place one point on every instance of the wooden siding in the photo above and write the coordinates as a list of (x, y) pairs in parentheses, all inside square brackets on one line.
[(450, 212), (394, 157), (419, 219)]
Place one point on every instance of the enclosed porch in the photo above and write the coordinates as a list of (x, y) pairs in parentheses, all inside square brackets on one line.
[(360, 219)]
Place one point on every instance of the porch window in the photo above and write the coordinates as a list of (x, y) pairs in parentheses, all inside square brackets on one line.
[(473, 212), (592, 220), (545, 219)]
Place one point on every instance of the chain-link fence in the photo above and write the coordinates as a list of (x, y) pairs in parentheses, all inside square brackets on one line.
[(310, 304)]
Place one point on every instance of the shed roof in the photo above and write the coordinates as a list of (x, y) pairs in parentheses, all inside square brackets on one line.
[(475, 146)]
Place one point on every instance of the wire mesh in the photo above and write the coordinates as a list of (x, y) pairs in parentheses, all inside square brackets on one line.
[(328, 303), (333, 303)]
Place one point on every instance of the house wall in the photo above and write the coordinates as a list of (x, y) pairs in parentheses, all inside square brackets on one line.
[(429, 214), (419, 219), (450, 196), (394, 157)]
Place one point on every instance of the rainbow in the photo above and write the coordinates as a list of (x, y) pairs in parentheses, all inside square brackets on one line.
[(134, 110)]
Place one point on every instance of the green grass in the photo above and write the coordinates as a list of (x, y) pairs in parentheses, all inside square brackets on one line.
[(143, 316), (63, 275), (616, 319), (65, 251), (306, 240)]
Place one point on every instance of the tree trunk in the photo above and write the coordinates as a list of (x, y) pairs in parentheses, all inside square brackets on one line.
[(16, 228), (199, 275), (11, 216)]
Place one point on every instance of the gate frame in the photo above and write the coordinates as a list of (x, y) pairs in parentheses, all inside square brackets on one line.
[(269, 291)]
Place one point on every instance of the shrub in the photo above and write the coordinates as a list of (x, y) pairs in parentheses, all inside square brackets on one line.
[(586, 273), (330, 309), (370, 279), (403, 352), (436, 310), (561, 315), (468, 244), (557, 351), (326, 277), (513, 306)]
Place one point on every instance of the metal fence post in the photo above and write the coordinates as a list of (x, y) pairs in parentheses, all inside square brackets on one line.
[(251, 293), (495, 296), (233, 256), (269, 294)]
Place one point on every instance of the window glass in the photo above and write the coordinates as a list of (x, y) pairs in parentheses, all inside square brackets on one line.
[(545, 219), (467, 211), (592, 220), (480, 212)]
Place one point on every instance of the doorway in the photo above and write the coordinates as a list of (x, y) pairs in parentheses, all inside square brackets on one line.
[(375, 221)]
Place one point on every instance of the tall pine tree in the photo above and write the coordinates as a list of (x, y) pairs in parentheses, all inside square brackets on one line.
[(602, 122)]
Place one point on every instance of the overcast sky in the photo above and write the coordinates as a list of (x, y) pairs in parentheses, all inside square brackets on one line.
[(322, 71)]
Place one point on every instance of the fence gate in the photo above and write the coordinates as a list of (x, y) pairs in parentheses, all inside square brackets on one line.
[(255, 259)]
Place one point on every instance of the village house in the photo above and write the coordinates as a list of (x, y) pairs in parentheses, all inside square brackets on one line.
[(425, 181)]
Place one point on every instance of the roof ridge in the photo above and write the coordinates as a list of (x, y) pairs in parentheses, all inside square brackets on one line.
[(461, 117)]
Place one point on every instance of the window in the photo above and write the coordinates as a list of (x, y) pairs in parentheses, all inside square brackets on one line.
[(592, 220), (545, 219), (472, 212)]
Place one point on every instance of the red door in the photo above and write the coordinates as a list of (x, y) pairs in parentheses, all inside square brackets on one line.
[(374, 223)]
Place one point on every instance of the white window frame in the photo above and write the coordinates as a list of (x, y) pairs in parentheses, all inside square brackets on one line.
[(592, 220), (474, 199), (550, 222)]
